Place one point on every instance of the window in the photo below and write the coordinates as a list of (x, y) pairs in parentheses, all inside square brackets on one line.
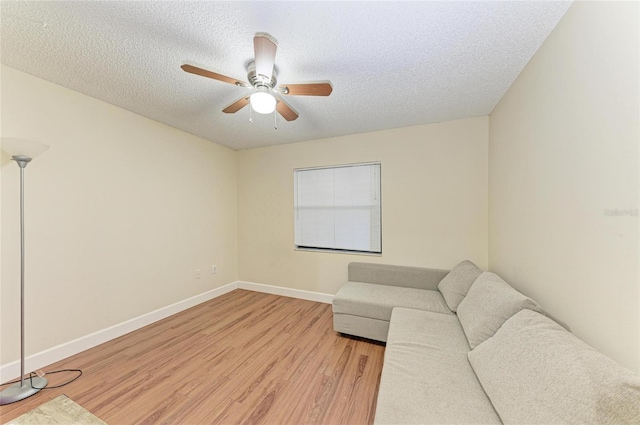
[(338, 208)]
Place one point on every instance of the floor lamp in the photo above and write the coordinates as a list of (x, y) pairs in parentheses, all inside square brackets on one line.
[(22, 152)]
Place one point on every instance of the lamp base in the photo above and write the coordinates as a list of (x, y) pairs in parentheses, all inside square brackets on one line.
[(16, 392)]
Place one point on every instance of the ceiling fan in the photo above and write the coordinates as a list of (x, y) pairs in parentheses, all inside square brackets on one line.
[(261, 73)]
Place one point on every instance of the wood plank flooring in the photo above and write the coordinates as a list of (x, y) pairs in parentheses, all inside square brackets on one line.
[(242, 358)]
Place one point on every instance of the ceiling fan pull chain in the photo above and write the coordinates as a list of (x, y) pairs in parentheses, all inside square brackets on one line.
[(250, 118), (275, 120)]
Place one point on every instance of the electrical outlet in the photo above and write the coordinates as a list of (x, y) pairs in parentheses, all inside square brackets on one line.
[(214, 269), (198, 274)]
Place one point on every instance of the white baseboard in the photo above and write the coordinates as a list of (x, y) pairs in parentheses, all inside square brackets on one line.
[(39, 360), (287, 292), (67, 349)]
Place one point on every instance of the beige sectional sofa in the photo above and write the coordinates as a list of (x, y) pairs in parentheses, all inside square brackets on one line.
[(464, 347)]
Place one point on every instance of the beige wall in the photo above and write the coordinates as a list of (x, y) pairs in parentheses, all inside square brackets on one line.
[(434, 202), (120, 212), (563, 149)]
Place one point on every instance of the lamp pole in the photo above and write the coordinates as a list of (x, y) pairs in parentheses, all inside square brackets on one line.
[(22, 162), (22, 390)]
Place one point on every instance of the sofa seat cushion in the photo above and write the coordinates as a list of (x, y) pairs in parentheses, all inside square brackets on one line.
[(377, 301), (536, 372), (426, 376)]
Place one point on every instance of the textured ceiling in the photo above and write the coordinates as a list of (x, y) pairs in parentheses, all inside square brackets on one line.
[(392, 64)]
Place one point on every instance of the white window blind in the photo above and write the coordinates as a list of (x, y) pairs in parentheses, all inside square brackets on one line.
[(338, 208)]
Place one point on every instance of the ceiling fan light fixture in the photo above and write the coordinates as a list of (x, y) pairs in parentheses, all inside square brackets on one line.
[(262, 101)]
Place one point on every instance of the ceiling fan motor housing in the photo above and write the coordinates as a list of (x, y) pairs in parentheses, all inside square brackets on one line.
[(258, 80)]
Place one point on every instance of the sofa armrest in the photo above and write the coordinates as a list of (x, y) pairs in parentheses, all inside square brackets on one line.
[(409, 277)]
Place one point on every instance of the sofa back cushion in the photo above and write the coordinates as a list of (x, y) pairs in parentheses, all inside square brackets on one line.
[(536, 372), (488, 304), (384, 274), (456, 284)]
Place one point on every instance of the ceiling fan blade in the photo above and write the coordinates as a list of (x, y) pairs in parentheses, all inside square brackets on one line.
[(307, 89), (284, 109), (209, 74), (264, 47), (236, 106)]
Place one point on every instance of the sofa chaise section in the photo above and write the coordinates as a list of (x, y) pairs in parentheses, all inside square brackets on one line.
[(362, 307)]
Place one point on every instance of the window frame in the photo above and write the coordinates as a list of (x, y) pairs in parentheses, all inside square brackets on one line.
[(336, 250)]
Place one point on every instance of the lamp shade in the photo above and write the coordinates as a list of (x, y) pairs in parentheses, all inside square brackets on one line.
[(263, 102), (28, 148)]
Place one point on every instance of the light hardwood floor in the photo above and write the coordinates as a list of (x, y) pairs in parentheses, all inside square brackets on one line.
[(245, 357)]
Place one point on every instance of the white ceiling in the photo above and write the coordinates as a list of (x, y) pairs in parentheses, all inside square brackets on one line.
[(392, 64)]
